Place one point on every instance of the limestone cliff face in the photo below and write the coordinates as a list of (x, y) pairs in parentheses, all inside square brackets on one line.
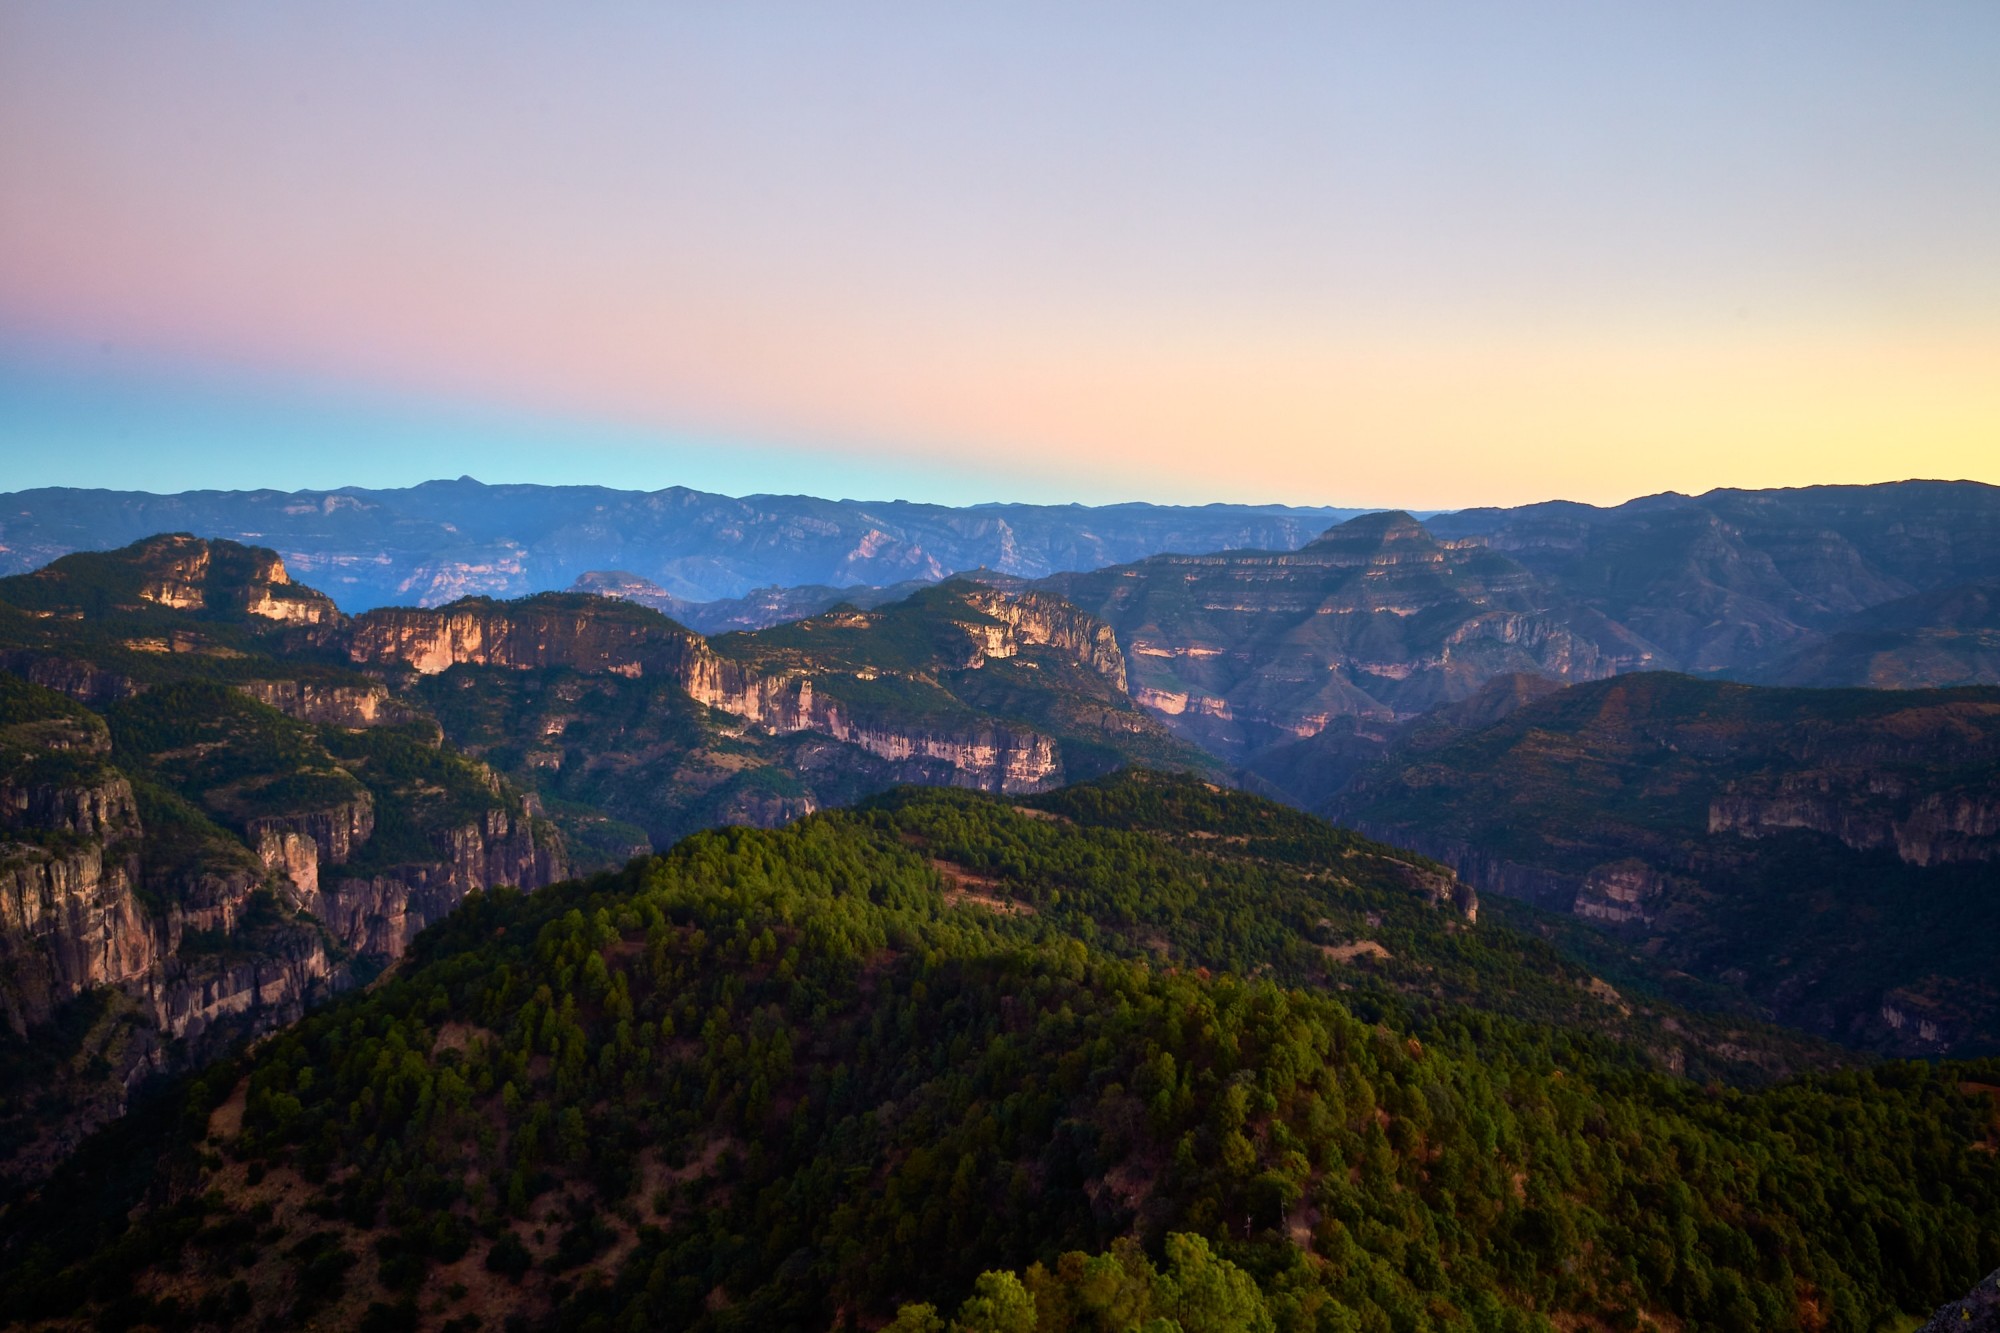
[(1867, 811), (987, 757), (68, 917), (336, 832), (380, 914), (991, 757), (71, 921), (245, 994), (553, 631), (330, 704), (1620, 893), (191, 574), (68, 922), (778, 702), (203, 964), (589, 634), (85, 682), (1378, 620), (177, 573), (293, 847), (1038, 618)]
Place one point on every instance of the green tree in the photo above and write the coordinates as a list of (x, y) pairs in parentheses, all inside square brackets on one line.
[(998, 1304), (1205, 1293)]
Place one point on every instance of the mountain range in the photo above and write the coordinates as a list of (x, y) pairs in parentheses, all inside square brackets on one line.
[(223, 799), (1639, 923), (429, 544)]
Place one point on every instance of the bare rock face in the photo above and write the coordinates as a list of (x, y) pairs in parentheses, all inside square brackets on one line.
[(68, 923), (82, 681), (192, 574), (1867, 811), (196, 997), (335, 832), (592, 635), (380, 914), (1619, 893), (68, 917), (1039, 618), (1376, 619), (1979, 1312), (557, 630), (993, 757), (338, 705)]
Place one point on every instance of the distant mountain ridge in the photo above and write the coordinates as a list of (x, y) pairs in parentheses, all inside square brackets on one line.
[(1383, 618), (433, 543)]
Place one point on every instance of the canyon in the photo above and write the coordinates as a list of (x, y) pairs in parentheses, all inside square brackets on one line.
[(230, 801), (1829, 853), (257, 799)]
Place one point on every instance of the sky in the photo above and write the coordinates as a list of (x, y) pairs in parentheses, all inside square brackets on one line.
[(1416, 254)]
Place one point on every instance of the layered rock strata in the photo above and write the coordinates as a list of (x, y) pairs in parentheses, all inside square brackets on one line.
[(585, 634)]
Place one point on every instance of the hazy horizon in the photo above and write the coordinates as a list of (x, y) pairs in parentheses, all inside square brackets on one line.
[(1417, 511)]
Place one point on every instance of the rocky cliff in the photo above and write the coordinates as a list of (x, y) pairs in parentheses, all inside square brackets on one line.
[(69, 827), (171, 839), (804, 677), (1376, 619), (1868, 811), (380, 913), (211, 580), (337, 704), (554, 630)]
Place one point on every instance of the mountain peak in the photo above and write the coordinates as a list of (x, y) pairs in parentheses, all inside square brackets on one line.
[(1388, 525), (176, 570)]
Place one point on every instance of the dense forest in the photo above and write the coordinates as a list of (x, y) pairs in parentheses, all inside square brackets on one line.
[(1139, 1053)]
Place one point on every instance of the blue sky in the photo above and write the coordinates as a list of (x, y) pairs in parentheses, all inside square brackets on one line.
[(1425, 254)]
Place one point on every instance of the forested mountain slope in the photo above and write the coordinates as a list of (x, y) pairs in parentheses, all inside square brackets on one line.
[(221, 799), (803, 1078)]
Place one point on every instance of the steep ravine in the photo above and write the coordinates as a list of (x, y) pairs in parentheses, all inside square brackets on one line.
[(128, 951)]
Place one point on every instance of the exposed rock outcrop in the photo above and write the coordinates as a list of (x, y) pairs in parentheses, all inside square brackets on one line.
[(335, 832), (85, 682), (381, 913), (1978, 1312), (68, 922), (331, 704), (556, 630), (1619, 893), (1039, 618), (245, 993), (1377, 619), (1867, 811), (588, 634)]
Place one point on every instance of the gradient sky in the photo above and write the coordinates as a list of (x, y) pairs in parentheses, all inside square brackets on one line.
[(1416, 254)]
